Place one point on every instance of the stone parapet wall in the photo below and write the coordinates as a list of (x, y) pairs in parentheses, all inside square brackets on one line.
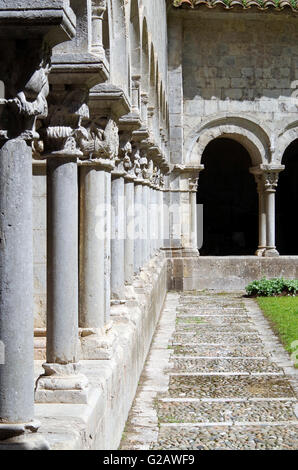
[(227, 273)]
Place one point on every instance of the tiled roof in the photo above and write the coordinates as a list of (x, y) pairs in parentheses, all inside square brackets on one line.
[(245, 4)]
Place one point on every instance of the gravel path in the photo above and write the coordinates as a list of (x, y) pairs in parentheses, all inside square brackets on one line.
[(216, 378)]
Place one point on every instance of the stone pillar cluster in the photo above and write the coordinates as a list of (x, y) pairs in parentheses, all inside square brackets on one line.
[(105, 203)]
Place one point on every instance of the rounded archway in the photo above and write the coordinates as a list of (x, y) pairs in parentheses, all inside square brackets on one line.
[(228, 193), (286, 202)]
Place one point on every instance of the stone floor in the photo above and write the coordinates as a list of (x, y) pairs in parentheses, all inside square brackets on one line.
[(216, 378)]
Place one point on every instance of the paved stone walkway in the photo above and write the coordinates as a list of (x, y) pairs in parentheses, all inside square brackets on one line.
[(216, 378)]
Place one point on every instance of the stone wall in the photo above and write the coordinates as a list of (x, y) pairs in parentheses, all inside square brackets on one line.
[(232, 64), (227, 273)]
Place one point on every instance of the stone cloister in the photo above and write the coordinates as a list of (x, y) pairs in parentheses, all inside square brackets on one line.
[(107, 111)]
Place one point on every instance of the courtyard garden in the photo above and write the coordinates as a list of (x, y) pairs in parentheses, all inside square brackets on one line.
[(278, 299)]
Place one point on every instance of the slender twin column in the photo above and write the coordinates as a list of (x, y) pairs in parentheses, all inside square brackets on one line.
[(262, 215), (270, 184), (267, 180), (193, 213)]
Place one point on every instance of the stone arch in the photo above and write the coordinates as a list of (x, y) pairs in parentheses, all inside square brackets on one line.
[(288, 136), (135, 38), (246, 132), (287, 194), (228, 193)]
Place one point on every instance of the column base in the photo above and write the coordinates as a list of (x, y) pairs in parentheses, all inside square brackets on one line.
[(260, 251), (21, 436), (25, 442), (270, 253), (62, 383), (98, 344)]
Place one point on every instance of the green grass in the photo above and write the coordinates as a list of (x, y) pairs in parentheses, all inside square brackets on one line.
[(282, 312)]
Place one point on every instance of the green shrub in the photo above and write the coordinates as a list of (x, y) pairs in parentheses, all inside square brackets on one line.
[(272, 287)]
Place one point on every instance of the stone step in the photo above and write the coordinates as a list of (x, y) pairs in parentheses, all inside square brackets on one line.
[(220, 350), (200, 412), (214, 319), (214, 337), (200, 310), (207, 327), (222, 365), (280, 437), (229, 386)]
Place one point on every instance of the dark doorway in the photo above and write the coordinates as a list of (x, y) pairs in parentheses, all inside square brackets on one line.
[(229, 195), (286, 203)]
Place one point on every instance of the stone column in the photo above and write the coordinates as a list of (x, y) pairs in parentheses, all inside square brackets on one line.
[(16, 290), (262, 215), (97, 340), (62, 381), (145, 232), (161, 217), (92, 240), (129, 192), (118, 234), (156, 220), (100, 148), (24, 69), (144, 109), (145, 208), (136, 102), (193, 186), (138, 242), (270, 184), (98, 11), (107, 247)]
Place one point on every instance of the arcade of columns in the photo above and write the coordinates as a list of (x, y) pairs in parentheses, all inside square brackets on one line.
[(101, 232)]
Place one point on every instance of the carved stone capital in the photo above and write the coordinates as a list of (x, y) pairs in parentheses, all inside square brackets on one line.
[(26, 89), (63, 129), (100, 140), (193, 182), (270, 179)]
